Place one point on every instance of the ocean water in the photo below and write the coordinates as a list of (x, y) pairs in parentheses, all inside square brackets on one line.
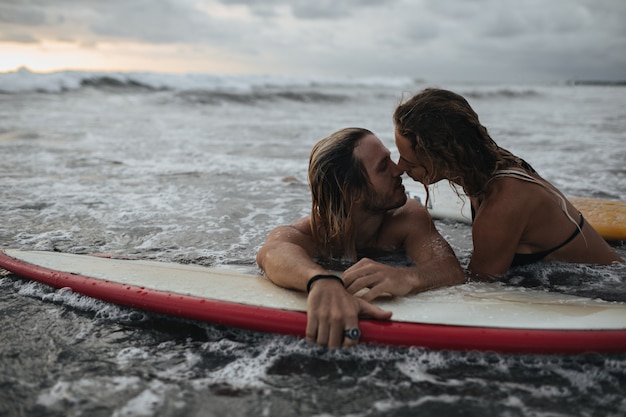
[(198, 169)]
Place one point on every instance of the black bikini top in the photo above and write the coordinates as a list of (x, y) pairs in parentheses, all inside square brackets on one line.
[(529, 258)]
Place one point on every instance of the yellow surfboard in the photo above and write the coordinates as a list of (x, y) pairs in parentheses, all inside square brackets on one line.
[(608, 217)]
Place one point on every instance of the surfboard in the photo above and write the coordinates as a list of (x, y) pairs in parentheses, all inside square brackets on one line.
[(608, 217), (445, 201), (474, 316)]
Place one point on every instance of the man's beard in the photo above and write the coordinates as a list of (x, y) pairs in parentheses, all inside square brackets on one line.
[(377, 203)]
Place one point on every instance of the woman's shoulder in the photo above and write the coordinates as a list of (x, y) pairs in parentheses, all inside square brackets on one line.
[(508, 199), (507, 190)]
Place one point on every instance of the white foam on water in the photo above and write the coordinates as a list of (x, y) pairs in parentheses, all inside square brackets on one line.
[(148, 402), (128, 356), (45, 240), (73, 392), (186, 362), (54, 395), (582, 380), (388, 406), (67, 297), (246, 371)]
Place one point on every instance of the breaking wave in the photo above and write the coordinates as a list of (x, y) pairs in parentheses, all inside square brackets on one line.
[(25, 81)]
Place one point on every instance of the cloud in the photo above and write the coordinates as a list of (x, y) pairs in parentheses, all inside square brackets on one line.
[(21, 15), (159, 21), (156, 22), (459, 40), (306, 9), (531, 39), (19, 37)]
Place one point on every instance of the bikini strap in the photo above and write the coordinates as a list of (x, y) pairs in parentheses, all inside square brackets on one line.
[(573, 235), (521, 175)]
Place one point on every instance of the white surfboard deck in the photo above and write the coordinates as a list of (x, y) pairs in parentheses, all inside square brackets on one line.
[(443, 202), (474, 304)]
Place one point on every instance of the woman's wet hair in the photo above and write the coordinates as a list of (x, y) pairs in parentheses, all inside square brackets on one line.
[(444, 129)]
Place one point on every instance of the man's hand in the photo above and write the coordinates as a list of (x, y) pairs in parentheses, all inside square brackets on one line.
[(331, 310), (379, 278)]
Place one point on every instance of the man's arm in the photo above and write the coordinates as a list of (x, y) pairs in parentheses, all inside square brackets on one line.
[(287, 256), (287, 259), (435, 263)]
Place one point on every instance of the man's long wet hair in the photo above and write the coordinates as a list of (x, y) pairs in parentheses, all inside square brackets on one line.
[(443, 128), (337, 179)]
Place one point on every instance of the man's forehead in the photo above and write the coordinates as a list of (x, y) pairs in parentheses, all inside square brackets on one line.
[(370, 147)]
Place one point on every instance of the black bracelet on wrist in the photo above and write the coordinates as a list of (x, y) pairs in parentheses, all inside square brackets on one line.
[(322, 276)]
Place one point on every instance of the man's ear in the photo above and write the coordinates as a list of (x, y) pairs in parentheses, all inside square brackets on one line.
[(358, 197)]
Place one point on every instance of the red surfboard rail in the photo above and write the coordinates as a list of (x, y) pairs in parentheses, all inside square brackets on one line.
[(263, 319)]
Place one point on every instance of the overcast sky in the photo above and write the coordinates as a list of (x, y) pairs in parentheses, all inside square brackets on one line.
[(434, 40)]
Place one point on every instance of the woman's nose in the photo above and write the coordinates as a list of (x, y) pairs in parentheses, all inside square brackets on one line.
[(399, 168)]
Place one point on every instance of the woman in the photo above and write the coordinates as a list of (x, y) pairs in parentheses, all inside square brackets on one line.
[(519, 218)]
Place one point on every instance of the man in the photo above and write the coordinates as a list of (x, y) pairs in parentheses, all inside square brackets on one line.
[(358, 204)]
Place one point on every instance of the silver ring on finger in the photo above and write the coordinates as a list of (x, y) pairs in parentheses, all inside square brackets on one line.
[(352, 333)]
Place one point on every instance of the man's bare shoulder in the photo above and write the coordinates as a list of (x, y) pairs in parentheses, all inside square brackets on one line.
[(410, 218), (303, 225), (410, 211), (298, 229), (298, 233)]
